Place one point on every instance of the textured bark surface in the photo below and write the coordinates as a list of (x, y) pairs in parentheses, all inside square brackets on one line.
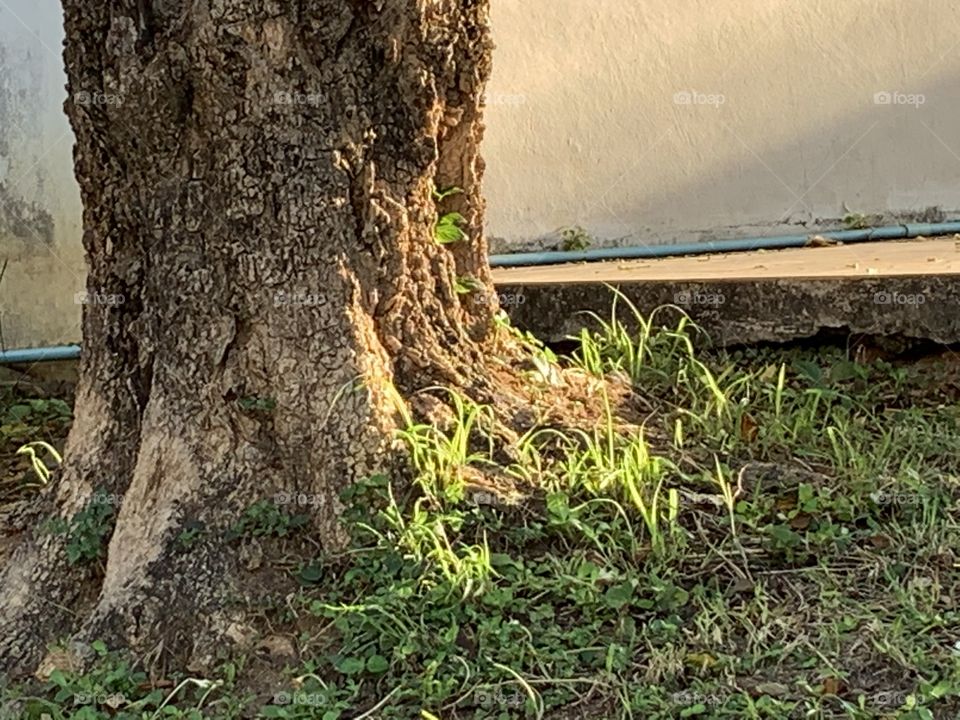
[(257, 179)]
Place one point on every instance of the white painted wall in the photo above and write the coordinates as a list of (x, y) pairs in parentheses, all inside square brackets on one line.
[(586, 127), (595, 137)]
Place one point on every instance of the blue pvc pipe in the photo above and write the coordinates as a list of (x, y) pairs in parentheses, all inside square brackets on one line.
[(40, 354), (891, 232)]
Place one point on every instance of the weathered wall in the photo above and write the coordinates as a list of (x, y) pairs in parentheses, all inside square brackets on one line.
[(39, 201), (642, 122)]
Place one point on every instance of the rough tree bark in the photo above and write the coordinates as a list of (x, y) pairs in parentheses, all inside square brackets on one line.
[(256, 178)]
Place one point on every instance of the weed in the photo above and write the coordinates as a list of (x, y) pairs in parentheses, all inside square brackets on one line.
[(22, 418), (192, 533), (575, 238), (40, 468), (447, 228), (858, 221), (87, 531), (35, 411), (253, 403), (266, 519), (114, 689), (466, 284)]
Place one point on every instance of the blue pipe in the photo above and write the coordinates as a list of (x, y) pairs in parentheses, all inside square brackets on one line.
[(891, 232), (40, 354)]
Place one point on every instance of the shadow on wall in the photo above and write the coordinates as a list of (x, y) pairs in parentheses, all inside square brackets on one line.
[(23, 221)]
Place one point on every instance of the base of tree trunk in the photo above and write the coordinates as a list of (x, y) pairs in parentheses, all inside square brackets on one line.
[(269, 298), (183, 583)]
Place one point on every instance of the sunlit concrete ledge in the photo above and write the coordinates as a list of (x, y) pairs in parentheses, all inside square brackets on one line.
[(907, 289)]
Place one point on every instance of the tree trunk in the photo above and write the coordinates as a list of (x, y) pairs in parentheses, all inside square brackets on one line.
[(257, 182)]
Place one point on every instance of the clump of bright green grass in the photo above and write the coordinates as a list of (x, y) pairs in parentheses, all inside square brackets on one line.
[(621, 469), (439, 458)]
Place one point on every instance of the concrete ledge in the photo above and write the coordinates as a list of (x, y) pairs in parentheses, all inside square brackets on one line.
[(52, 378), (738, 312), (909, 289)]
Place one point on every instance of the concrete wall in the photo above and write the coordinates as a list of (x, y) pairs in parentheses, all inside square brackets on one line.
[(646, 121), (40, 210), (783, 123)]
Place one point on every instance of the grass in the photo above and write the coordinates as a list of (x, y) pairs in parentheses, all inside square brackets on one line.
[(32, 430), (778, 539), (88, 531)]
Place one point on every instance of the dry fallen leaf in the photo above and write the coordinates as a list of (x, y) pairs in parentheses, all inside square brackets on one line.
[(821, 241), (114, 700), (832, 686), (701, 660), (771, 688), (748, 428), (770, 372), (785, 502)]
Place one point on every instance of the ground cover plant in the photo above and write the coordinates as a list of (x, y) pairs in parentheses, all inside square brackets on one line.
[(751, 533)]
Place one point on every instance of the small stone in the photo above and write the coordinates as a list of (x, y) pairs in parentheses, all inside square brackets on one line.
[(251, 555), (277, 646), (772, 689), (240, 634), (59, 659), (525, 418)]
